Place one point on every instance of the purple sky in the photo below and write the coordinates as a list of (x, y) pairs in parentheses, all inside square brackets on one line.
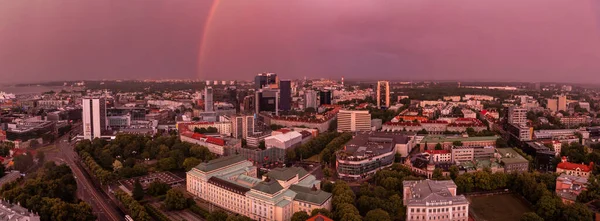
[(508, 40)]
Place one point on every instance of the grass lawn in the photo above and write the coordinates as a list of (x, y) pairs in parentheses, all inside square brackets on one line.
[(315, 158), (498, 207), (49, 148)]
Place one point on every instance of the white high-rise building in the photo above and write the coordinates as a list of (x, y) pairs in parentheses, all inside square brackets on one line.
[(242, 126), (310, 99), (208, 99), (517, 115), (354, 120), (383, 89), (94, 117)]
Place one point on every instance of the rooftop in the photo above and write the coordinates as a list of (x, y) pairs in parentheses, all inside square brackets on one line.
[(367, 144), (219, 163), (444, 139), (287, 173), (575, 166), (427, 192), (311, 195), (510, 156), (269, 186)]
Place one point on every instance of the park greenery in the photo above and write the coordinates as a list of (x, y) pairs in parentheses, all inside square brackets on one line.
[(50, 192), (136, 155), (381, 197), (135, 209)]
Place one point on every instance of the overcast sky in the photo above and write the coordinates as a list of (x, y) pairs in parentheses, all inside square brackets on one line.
[(506, 40)]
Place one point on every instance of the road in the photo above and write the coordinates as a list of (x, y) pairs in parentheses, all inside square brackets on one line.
[(101, 204)]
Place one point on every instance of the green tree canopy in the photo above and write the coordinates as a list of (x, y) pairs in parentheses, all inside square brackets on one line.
[(531, 216), (300, 216), (137, 192), (175, 200), (217, 216), (377, 215)]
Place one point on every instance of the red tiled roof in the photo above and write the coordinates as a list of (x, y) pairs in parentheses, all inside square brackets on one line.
[(208, 139), (574, 166), (319, 217), (437, 151), (434, 122), (283, 130), (405, 123)]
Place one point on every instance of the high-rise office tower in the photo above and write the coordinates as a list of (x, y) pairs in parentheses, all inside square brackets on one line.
[(310, 99), (266, 80), (354, 120), (248, 104), (285, 93), (208, 99), (562, 103), (325, 97), (517, 115), (243, 126), (267, 100), (383, 94), (94, 117)]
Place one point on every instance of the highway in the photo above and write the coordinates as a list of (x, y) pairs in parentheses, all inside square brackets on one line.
[(101, 204)]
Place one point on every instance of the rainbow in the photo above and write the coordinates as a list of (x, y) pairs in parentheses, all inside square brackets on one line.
[(205, 36)]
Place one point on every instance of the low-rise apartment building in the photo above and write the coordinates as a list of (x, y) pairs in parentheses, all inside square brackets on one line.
[(574, 169), (430, 141), (569, 187), (469, 153), (512, 161)]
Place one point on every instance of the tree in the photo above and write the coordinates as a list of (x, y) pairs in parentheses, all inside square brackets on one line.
[(576, 212), (438, 146), (548, 207), (158, 188), (175, 200), (167, 164), (23, 162), (327, 172), (483, 180), (377, 215), (217, 216), (40, 156), (239, 218), (437, 174), (190, 163), (117, 165), (464, 183), (2, 169), (300, 216), (262, 145), (457, 143), (501, 142), (531, 216), (592, 191), (138, 191), (321, 211), (453, 172)]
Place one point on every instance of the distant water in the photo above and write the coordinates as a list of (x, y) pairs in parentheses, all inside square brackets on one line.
[(31, 89)]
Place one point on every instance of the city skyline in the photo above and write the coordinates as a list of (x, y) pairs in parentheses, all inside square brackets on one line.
[(425, 40)]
